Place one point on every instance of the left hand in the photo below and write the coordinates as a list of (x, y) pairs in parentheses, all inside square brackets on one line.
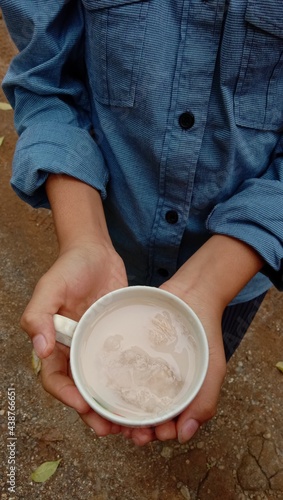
[(204, 406), (207, 285)]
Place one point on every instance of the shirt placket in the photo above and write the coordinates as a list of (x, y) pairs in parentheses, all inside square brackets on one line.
[(200, 33)]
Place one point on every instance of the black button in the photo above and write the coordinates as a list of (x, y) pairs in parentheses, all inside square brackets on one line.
[(171, 216), (186, 120), (163, 272)]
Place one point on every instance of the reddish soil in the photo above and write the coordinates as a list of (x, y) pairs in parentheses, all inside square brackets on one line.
[(238, 455)]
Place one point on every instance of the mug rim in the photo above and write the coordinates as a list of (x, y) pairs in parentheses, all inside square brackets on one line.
[(77, 340)]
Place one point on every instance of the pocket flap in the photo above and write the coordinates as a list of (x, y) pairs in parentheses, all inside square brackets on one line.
[(106, 4), (266, 15)]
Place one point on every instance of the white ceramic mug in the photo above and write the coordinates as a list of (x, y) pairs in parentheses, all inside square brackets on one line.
[(139, 355)]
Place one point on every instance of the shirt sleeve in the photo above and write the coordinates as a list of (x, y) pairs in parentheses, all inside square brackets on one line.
[(46, 85), (254, 214)]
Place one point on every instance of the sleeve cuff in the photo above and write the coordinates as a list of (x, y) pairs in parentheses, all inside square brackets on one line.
[(258, 223), (55, 148)]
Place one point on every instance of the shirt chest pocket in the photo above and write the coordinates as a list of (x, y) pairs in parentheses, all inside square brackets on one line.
[(115, 31), (259, 90)]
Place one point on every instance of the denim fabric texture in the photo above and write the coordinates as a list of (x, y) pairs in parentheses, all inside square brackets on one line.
[(172, 109)]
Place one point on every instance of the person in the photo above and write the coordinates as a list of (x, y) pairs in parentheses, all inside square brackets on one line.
[(153, 130)]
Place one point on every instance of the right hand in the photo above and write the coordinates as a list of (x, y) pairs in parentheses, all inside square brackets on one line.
[(81, 275)]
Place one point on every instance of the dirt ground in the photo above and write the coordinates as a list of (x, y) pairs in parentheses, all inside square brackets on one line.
[(238, 455)]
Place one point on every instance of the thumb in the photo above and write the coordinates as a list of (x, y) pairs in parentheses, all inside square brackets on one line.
[(37, 319), (40, 328), (204, 406)]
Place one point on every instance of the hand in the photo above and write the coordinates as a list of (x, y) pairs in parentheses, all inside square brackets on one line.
[(205, 285), (204, 406), (87, 268), (80, 276)]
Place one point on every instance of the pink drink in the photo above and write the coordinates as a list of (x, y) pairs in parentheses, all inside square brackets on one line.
[(138, 359)]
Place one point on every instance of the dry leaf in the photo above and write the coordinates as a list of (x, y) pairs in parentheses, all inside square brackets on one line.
[(5, 106), (36, 362), (45, 471), (1, 140), (279, 365)]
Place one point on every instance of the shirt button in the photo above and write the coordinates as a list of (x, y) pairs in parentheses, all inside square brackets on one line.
[(163, 272), (171, 216), (186, 120)]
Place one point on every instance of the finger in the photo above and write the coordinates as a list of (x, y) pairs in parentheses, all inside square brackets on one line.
[(166, 431), (137, 434), (204, 406), (100, 425), (56, 381), (143, 436), (127, 432), (40, 328), (37, 319)]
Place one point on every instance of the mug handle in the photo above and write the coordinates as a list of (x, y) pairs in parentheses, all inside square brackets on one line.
[(64, 328)]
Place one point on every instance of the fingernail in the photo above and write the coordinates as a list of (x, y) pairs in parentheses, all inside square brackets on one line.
[(188, 429), (39, 344)]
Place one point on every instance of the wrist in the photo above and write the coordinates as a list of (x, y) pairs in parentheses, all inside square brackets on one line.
[(77, 213), (218, 271)]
